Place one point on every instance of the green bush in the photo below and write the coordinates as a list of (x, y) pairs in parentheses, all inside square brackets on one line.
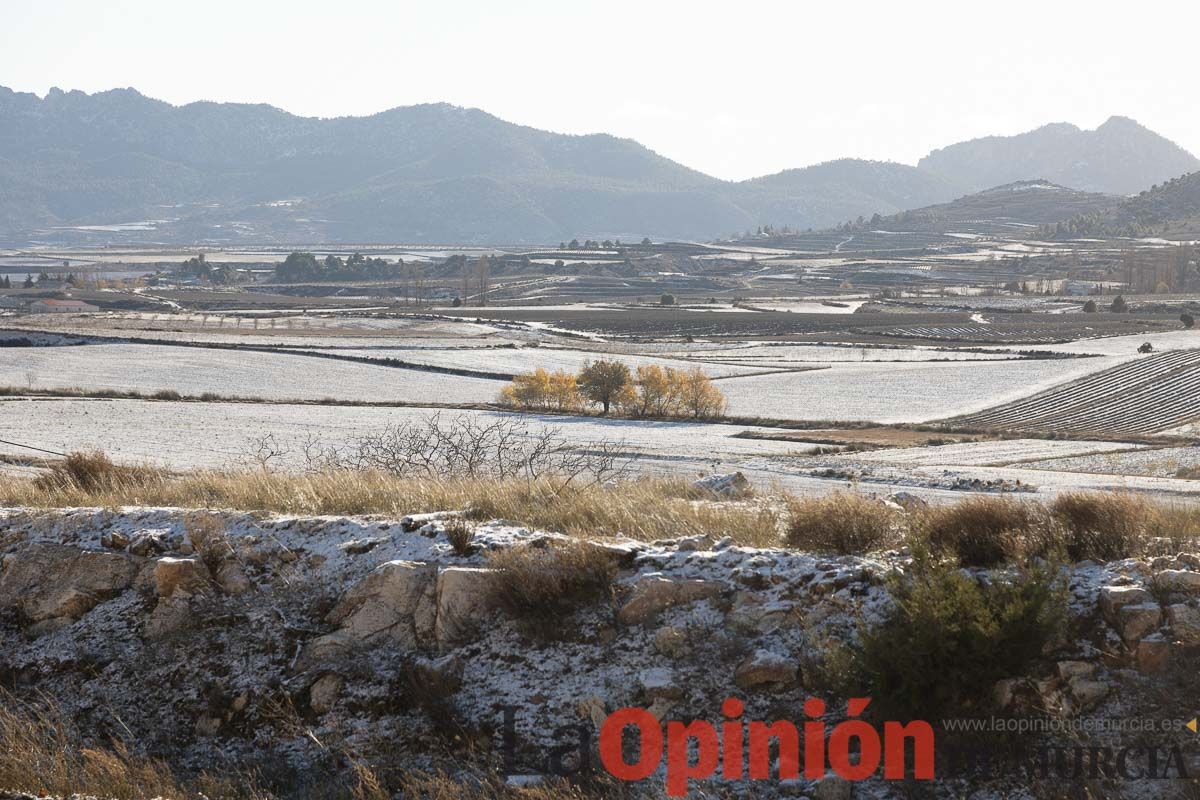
[(949, 637)]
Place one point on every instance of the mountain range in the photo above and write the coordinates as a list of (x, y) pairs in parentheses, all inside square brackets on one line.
[(121, 165)]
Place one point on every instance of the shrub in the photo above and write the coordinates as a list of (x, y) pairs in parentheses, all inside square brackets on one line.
[(983, 531), (605, 383), (949, 637), (1101, 526), (842, 522), (548, 580)]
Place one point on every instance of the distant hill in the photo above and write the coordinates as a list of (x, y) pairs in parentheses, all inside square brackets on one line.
[(842, 190), (1119, 157), (1024, 203), (117, 166), (1171, 209)]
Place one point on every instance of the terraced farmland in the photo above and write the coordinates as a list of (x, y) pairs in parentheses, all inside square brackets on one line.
[(1145, 396)]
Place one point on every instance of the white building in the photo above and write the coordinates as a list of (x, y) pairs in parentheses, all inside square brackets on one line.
[(61, 307)]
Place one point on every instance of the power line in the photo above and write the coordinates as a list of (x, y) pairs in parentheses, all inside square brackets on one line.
[(31, 447)]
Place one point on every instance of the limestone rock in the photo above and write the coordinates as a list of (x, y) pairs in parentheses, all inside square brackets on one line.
[(1134, 622), (148, 544), (1153, 654), (179, 576), (462, 603), (1178, 581), (656, 593), (172, 615), (908, 501), (659, 682), (395, 602), (671, 641), (732, 485), (1185, 623), (1068, 670), (324, 692), (765, 668), (46, 581), (440, 677), (1087, 693), (232, 578), (1114, 598)]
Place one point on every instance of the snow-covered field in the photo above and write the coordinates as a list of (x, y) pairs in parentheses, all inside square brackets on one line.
[(898, 392), (195, 370), (190, 435), (510, 360), (990, 453), (790, 354), (1163, 462)]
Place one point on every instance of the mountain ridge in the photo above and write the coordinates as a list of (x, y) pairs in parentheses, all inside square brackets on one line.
[(434, 172)]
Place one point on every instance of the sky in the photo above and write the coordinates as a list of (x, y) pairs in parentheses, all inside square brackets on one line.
[(734, 89)]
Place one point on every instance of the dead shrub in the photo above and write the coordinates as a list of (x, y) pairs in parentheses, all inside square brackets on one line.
[(842, 522), (985, 531), (1101, 526), (209, 539), (92, 471), (548, 580)]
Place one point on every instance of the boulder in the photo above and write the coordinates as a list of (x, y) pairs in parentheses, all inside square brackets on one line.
[(731, 485), (439, 677), (1114, 598), (655, 593), (1153, 654), (49, 581), (659, 682), (395, 602), (1185, 623), (764, 668), (184, 576), (907, 501), (1135, 622), (1087, 693), (324, 692), (172, 615), (462, 602), (671, 641), (1178, 581), (1068, 670), (148, 544), (232, 578)]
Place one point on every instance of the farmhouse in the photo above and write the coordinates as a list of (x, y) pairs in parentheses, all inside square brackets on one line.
[(61, 307)]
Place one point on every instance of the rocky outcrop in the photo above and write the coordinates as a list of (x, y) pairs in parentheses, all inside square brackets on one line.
[(61, 583), (653, 594)]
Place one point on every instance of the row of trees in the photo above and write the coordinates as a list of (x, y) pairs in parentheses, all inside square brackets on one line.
[(651, 391), (307, 267)]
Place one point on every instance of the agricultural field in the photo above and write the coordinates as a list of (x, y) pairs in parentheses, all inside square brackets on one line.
[(897, 392), (1150, 395), (196, 370)]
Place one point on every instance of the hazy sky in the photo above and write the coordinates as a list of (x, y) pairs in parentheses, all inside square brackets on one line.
[(734, 89)]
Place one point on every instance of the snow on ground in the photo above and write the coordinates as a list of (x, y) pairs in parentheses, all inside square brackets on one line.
[(898, 392), (990, 453), (190, 435), (195, 370), (1124, 346), (1162, 462), (784, 355), (526, 359)]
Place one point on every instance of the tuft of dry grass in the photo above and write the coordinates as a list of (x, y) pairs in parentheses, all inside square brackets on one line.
[(41, 752), (644, 509), (91, 471), (842, 522), (547, 580), (459, 535), (984, 531)]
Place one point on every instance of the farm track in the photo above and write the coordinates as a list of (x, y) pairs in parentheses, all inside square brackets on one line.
[(1146, 396)]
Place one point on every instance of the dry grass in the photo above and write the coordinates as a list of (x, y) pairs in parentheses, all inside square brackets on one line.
[(91, 471), (459, 535), (547, 580), (1102, 526), (984, 531), (42, 753), (842, 522), (440, 787), (644, 509)]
